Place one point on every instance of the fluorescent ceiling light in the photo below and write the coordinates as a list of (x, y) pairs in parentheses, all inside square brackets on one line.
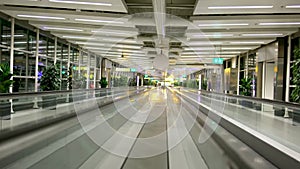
[(114, 33), (120, 40), (82, 2), (292, 6), (204, 43), (63, 29), (78, 37), (215, 35), (262, 34), (8, 36), (236, 48), (213, 52), (250, 42), (241, 7), (200, 48), (280, 23), (98, 21), (41, 17), (224, 24)]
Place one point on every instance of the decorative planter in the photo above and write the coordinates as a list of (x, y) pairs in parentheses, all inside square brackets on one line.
[(5, 110)]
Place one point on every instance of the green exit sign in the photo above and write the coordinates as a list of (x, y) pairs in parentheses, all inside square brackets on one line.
[(146, 76), (218, 60), (133, 70)]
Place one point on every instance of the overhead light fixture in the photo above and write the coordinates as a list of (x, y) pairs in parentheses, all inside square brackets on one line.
[(204, 43), (214, 35), (62, 29), (241, 7), (236, 48), (114, 33), (78, 37), (98, 21), (249, 42), (292, 6), (262, 34), (41, 17), (224, 24), (82, 2), (199, 48), (8, 36), (279, 23)]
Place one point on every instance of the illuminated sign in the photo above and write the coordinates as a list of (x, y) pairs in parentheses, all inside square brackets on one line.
[(218, 61)]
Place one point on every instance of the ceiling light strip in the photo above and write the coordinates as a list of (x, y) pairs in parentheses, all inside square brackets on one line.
[(241, 7), (292, 6), (279, 23), (98, 21), (82, 2), (62, 29), (224, 24), (41, 17)]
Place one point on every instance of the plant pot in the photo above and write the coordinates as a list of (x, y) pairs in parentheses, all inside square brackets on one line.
[(5, 110), (279, 112), (49, 102)]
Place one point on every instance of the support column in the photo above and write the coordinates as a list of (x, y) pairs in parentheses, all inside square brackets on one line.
[(11, 60), (288, 70), (37, 60), (35, 105), (200, 82), (280, 70), (55, 50), (238, 76), (95, 72), (137, 80), (68, 66), (88, 71), (12, 45)]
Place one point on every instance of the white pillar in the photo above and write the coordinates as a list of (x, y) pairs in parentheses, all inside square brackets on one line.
[(137, 81), (95, 72), (88, 71), (247, 64), (68, 66), (55, 50), (37, 60), (35, 105), (200, 83), (238, 76), (79, 63), (11, 60), (12, 45), (288, 71)]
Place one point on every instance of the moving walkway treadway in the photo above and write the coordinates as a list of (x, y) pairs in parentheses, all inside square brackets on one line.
[(146, 128)]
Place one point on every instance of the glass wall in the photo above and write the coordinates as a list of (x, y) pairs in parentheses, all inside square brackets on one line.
[(24, 58)]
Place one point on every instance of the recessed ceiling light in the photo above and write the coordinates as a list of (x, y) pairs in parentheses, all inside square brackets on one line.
[(241, 7), (262, 34), (225, 24), (8, 36), (78, 37), (98, 21), (292, 6), (204, 43), (236, 48), (63, 29), (280, 23), (250, 42), (214, 35), (82, 2), (41, 17)]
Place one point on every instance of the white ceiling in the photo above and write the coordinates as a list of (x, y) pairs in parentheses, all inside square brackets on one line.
[(111, 32)]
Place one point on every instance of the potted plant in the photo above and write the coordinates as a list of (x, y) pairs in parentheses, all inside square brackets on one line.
[(5, 83), (103, 83), (50, 81), (245, 90), (295, 95)]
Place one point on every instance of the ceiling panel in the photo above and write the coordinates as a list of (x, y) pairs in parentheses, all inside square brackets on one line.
[(244, 7), (95, 5)]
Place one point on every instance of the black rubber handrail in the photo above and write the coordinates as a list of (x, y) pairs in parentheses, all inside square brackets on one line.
[(36, 94), (255, 99)]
